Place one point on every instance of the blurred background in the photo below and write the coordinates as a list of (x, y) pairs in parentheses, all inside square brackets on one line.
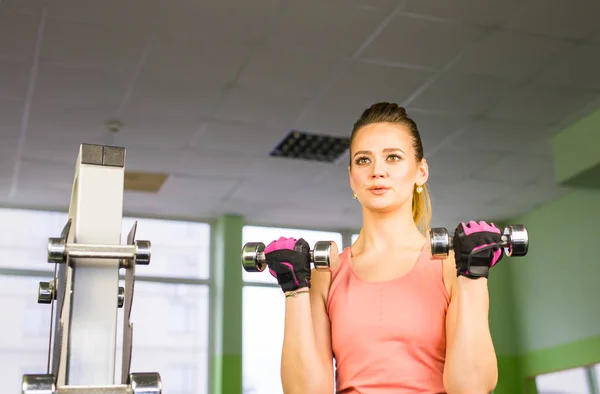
[(204, 95)]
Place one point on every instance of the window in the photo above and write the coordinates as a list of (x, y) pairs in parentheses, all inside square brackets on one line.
[(262, 338), (564, 382), (179, 249), (264, 313), (269, 234), (354, 237), (168, 344), (21, 352), (23, 243)]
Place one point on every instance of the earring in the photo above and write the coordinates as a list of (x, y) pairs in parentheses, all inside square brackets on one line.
[(354, 196), (419, 189)]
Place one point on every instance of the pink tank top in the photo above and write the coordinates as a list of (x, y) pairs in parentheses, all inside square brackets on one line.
[(389, 337)]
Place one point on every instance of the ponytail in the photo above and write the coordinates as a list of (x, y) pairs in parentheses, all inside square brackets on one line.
[(421, 209)]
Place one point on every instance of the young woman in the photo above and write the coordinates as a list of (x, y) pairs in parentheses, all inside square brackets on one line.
[(394, 319)]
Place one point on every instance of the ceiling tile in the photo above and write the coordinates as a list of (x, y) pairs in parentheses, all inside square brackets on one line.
[(14, 7), (471, 192), (325, 26), (14, 78), (462, 94), (223, 20), (294, 196), (18, 33), (110, 13), (443, 41), (571, 19), (203, 60), (289, 72), (75, 123), (592, 106), (58, 147), (154, 159), (210, 162), (540, 103), (481, 12), (161, 135), (237, 138), (93, 45), (523, 199), (577, 69), (11, 113), (516, 169), (188, 188), (378, 83), (448, 166), (256, 106), (332, 114), (178, 100), (207, 162), (434, 128), (511, 54), (503, 136), (41, 174), (31, 198), (8, 158), (80, 87)]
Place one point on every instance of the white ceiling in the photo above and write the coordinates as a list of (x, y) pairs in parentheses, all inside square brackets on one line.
[(205, 89)]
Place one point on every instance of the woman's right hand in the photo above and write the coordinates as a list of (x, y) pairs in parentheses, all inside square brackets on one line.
[(289, 262)]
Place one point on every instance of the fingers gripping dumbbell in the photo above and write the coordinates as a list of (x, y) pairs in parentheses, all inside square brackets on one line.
[(254, 260), (515, 241)]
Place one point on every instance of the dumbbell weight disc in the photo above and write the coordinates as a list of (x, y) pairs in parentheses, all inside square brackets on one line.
[(519, 245), (251, 257), (440, 242), (320, 255)]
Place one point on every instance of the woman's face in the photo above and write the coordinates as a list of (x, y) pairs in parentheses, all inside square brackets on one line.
[(384, 168)]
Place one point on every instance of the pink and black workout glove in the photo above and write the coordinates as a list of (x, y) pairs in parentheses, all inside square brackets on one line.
[(476, 248), (289, 262)]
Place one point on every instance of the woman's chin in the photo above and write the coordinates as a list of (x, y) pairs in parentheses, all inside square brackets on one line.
[(382, 206)]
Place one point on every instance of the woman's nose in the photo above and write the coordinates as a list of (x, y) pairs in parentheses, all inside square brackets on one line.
[(378, 170)]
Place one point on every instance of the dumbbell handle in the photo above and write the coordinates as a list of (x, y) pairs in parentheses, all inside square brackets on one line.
[(262, 258), (505, 241)]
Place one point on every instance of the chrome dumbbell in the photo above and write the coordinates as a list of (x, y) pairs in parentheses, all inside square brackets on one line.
[(515, 241), (253, 256)]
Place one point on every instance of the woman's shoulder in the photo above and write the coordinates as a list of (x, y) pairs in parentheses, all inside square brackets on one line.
[(321, 279)]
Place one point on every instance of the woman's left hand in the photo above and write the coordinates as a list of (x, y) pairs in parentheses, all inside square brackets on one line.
[(476, 248)]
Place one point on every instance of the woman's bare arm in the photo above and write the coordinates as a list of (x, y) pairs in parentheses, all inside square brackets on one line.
[(307, 360), (471, 365)]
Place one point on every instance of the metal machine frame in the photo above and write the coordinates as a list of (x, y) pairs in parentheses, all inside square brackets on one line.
[(87, 258)]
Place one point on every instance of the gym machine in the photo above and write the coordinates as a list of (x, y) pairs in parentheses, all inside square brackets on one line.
[(515, 241), (84, 293)]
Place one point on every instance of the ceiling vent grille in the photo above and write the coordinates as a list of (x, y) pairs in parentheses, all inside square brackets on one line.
[(313, 147)]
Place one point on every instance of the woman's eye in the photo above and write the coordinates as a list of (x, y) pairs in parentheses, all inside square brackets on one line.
[(362, 160), (394, 157)]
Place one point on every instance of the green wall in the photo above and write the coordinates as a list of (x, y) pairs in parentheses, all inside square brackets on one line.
[(545, 314)]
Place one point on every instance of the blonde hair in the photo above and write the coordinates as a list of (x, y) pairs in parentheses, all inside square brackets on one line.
[(392, 113), (421, 209)]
